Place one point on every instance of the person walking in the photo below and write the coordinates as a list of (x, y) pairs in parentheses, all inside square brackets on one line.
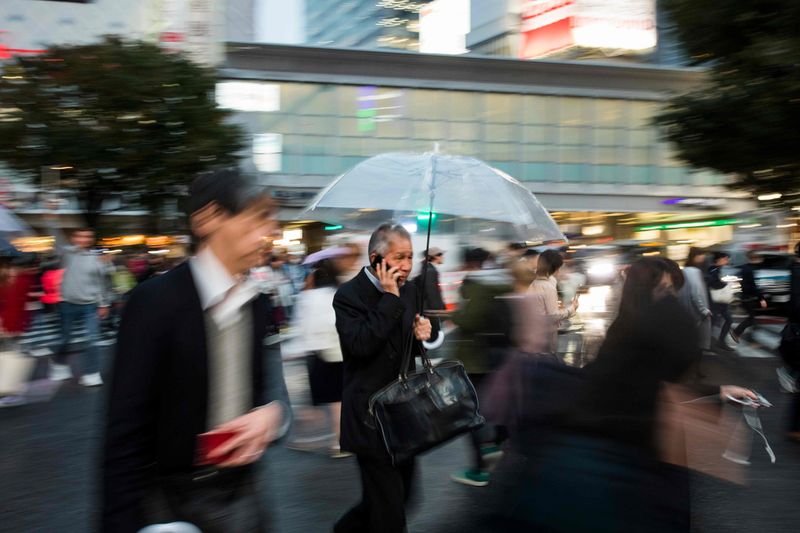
[(433, 293), (85, 299), (604, 447), (474, 340), (545, 287), (694, 295), (752, 298), (720, 292), (791, 375), (195, 398), (376, 318), (314, 325)]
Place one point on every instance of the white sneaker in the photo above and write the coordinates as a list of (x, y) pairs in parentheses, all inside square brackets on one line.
[(91, 380), (60, 372)]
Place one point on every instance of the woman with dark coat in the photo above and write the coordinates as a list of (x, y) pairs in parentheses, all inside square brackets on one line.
[(599, 470)]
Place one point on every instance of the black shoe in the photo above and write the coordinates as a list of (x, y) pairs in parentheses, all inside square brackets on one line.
[(735, 336)]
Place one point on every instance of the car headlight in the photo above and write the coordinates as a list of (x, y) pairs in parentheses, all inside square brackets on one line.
[(601, 268)]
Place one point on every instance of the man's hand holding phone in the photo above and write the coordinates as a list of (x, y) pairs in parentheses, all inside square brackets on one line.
[(388, 276)]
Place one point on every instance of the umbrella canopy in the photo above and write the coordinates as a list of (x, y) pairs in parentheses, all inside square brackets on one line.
[(327, 253), (397, 185), (11, 224)]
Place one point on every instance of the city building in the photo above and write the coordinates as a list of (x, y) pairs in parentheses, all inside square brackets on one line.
[(620, 30), (369, 24), (578, 134), (196, 27)]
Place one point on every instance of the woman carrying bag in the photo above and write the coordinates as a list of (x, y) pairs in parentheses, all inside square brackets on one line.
[(721, 297)]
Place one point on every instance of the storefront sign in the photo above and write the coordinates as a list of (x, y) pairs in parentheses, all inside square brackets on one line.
[(549, 26)]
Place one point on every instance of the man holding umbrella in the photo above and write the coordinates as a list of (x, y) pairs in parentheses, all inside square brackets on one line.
[(376, 318)]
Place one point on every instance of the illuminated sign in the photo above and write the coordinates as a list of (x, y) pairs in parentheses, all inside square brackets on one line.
[(248, 96), (549, 26), (686, 225), (695, 202), (443, 27), (378, 105)]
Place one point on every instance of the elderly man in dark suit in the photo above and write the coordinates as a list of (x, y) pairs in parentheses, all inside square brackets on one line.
[(376, 317), (191, 360)]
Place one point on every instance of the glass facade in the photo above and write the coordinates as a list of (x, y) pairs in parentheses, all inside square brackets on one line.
[(325, 129)]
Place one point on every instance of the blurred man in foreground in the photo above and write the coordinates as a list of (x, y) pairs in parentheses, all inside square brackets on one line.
[(195, 401)]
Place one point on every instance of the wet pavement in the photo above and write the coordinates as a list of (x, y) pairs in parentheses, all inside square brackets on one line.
[(49, 460)]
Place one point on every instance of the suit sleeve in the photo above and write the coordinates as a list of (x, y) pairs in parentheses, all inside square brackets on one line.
[(129, 447), (275, 386), (363, 332)]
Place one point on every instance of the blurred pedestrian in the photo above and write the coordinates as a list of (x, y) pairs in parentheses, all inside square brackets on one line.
[(721, 296), (51, 287), (791, 375), (274, 282), (314, 325), (433, 293), (545, 287), (694, 295), (17, 278), (752, 298), (348, 265), (476, 343), (85, 299), (195, 398), (376, 319), (602, 453)]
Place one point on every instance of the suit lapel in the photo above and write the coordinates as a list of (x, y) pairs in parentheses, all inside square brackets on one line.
[(372, 296)]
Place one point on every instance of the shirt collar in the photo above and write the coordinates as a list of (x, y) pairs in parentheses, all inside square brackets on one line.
[(375, 281), (211, 277)]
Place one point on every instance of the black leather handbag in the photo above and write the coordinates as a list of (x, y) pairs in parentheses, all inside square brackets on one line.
[(423, 409)]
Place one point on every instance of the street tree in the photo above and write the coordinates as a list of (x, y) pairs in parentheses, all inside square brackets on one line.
[(115, 118), (744, 119)]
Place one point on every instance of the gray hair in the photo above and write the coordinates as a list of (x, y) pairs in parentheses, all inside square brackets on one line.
[(381, 237)]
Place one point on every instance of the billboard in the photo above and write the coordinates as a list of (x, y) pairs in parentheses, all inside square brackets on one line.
[(443, 27), (195, 27), (550, 26)]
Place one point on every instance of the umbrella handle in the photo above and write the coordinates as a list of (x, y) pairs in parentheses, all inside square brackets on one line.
[(426, 362)]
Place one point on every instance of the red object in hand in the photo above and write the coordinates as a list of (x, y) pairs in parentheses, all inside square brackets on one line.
[(208, 442)]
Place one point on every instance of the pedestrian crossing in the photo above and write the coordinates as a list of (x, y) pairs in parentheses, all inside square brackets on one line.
[(45, 334)]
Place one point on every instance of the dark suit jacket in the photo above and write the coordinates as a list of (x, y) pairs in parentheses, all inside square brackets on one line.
[(159, 392), (374, 329)]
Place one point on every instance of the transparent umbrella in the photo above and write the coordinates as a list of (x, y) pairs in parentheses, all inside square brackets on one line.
[(437, 189), (440, 187), (11, 224)]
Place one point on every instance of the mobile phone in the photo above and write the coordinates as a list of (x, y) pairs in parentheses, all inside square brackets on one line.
[(375, 262), (207, 442)]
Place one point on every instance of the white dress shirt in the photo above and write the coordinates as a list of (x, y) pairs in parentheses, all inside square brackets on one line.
[(224, 298)]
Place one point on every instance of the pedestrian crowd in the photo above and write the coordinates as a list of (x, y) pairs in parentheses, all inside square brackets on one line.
[(197, 393)]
